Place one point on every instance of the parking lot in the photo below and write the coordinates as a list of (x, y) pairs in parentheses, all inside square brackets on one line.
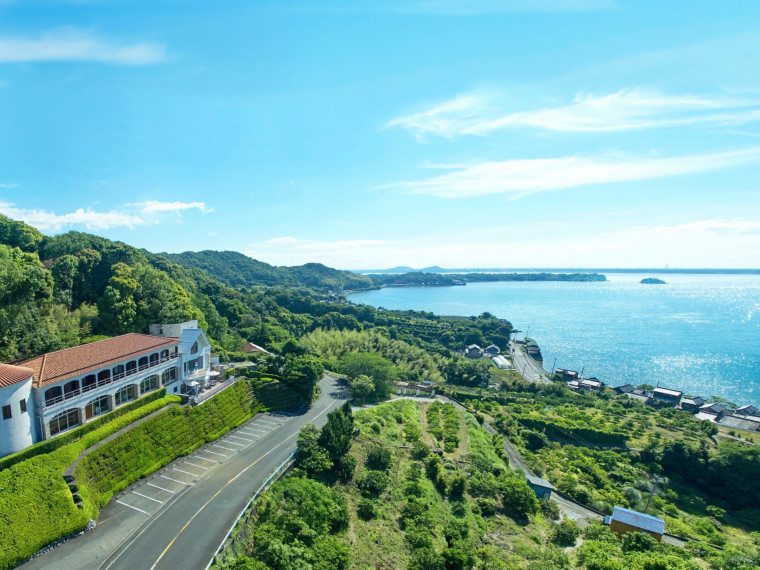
[(148, 495)]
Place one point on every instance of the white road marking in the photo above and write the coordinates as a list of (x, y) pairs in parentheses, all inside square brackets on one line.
[(175, 480), (147, 497), (157, 487), (215, 453), (227, 448), (186, 472), (245, 431), (234, 443), (242, 438), (205, 459), (194, 465), (131, 507)]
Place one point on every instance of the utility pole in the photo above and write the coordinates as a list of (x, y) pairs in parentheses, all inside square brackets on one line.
[(553, 364)]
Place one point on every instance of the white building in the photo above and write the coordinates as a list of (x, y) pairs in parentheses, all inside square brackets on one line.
[(67, 388)]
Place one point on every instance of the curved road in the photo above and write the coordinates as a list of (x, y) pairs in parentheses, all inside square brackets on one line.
[(177, 517)]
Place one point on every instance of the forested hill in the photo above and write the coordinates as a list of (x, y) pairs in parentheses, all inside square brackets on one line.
[(235, 269)]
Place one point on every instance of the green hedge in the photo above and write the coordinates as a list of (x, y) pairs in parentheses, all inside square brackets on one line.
[(68, 437), (36, 506), (158, 441), (552, 429)]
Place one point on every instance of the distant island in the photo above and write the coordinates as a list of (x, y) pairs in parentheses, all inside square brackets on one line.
[(652, 281), (421, 279)]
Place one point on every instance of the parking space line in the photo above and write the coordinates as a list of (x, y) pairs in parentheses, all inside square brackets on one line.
[(186, 472), (245, 430), (131, 507), (243, 438), (264, 432), (147, 497), (233, 443), (157, 487), (194, 465), (227, 448), (215, 453), (204, 458), (175, 480)]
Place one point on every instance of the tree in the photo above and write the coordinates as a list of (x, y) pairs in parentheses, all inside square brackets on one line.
[(335, 436), (117, 307), (64, 273), (371, 364), (312, 457), (302, 373), (362, 388)]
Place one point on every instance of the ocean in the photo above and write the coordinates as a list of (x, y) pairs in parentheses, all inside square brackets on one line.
[(696, 333)]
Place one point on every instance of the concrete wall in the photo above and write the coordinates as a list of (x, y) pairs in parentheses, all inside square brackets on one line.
[(17, 432)]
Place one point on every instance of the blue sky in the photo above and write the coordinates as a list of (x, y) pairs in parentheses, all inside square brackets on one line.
[(510, 133)]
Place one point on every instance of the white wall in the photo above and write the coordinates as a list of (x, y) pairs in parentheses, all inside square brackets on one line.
[(16, 433)]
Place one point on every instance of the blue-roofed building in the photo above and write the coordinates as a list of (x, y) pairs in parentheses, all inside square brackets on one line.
[(541, 487), (626, 520)]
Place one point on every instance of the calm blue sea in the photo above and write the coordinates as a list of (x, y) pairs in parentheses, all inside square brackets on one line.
[(697, 333)]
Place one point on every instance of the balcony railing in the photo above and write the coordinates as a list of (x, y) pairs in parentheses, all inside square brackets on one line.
[(63, 397)]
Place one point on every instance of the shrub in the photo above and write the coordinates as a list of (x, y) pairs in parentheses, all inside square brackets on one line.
[(373, 482), (488, 507), (366, 509), (379, 458), (457, 485), (565, 533), (638, 542), (550, 509), (346, 468)]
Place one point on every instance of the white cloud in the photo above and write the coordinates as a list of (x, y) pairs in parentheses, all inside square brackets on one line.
[(282, 240), (154, 207), (625, 110), (76, 45), (525, 176), (129, 216), (446, 119), (47, 221), (9, 185)]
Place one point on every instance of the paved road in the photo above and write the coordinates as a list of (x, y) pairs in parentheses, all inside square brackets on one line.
[(526, 366), (177, 517)]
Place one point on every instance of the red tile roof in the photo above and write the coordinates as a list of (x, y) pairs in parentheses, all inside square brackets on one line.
[(56, 366), (10, 374)]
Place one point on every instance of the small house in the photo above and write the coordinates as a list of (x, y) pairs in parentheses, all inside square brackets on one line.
[(625, 520), (591, 384), (624, 389), (667, 396), (639, 395), (493, 350), (747, 423), (746, 411), (473, 351), (541, 487), (692, 404), (717, 410)]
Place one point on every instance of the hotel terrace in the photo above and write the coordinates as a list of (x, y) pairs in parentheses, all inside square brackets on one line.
[(67, 388)]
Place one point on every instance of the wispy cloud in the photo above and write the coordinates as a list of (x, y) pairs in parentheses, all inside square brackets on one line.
[(88, 218), (8, 185), (129, 216), (525, 176), (77, 45), (625, 110), (156, 207)]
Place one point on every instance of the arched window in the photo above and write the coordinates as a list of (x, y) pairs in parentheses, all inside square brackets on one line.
[(154, 359), (63, 421), (142, 364), (104, 377), (164, 355), (194, 348), (126, 394), (98, 406), (71, 389), (118, 371), (53, 395), (149, 384), (131, 367), (89, 382)]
